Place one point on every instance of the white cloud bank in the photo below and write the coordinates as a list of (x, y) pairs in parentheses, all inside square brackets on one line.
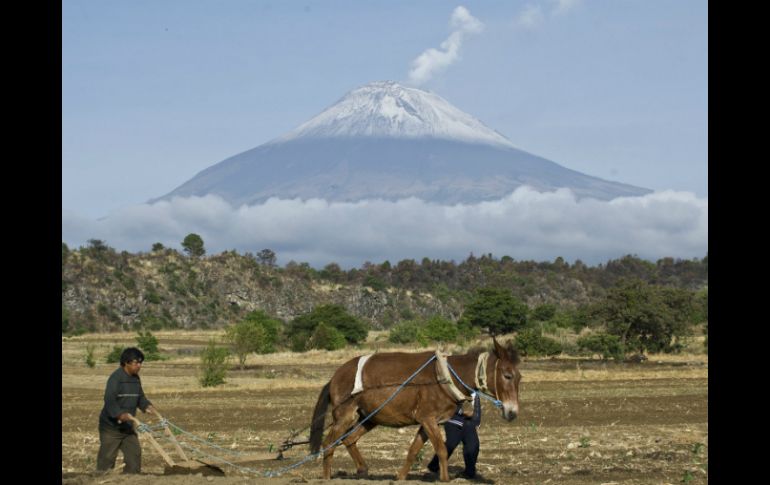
[(526, 225), (434, 60)]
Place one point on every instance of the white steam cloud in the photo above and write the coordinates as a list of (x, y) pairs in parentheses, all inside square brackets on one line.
[(532, 16), (564, 6), (526, 225), (434, 60)]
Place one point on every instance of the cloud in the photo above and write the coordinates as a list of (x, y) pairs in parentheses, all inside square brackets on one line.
[(524, 225), (564, 6), (531, 17), (434, 60)]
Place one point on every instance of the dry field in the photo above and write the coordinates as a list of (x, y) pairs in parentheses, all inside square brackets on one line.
[(581, 422)]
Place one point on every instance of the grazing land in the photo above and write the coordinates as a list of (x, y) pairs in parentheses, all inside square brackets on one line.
[(582, 421)]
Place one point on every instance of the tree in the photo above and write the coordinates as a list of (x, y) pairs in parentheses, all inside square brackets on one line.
[(267, 257), (352, 328), (158, 247), (647, 317), (257, 332), (97, 245), (496, 309), (193, 245)]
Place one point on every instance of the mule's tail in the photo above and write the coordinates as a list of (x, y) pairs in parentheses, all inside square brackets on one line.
[(319, 416)]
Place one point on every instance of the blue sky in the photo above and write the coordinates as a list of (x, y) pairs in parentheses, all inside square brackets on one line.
[(153, 92)]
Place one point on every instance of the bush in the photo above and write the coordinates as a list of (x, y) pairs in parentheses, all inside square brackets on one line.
[(530, 342), (327, 337), (90, 362), (407, 332), (352, 328), (466, 332), (544, 312), (439, 329), (257, 332), (299, 341), (604, 344), (213, 365), (148, 343), (114, 356)]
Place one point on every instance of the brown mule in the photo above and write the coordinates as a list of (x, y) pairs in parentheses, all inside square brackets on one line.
[(424, 401)]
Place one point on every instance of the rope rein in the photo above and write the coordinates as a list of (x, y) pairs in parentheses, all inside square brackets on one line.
[(494, 400)]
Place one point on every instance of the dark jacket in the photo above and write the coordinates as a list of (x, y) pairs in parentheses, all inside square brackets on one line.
[(459, 418), (123, 394)]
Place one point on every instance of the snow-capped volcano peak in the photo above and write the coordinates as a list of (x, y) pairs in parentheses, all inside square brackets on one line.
[(387, 109)]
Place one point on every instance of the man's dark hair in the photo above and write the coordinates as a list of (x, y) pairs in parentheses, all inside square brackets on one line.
[(130, 354)]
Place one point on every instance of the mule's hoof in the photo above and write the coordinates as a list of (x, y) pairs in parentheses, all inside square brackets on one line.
[(363, 473)]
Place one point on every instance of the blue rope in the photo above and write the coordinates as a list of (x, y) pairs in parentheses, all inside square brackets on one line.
[(497, 403), (360, 423)]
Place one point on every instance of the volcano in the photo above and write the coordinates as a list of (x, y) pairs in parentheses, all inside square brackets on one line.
[(389, 141)]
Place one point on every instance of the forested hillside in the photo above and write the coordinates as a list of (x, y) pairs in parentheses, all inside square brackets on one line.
[(106, 290)]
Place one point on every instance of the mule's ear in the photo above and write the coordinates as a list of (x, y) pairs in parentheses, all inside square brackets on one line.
[(499, 351)]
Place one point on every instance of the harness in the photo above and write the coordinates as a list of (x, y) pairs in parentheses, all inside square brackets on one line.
[(445, 379)]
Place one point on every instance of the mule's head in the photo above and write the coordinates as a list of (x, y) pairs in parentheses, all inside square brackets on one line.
[(507, 378)]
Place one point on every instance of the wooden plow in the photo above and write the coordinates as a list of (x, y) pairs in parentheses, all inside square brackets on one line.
[(207, 466)]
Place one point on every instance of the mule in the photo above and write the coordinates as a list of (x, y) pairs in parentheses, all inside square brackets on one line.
[(424, 401)]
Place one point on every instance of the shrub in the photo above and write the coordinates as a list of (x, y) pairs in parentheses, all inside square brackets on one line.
[(439, 329), (604, 344), (531, 343), (544, 312), (114, 355), (213, 364), (90, 362), (326, 337), (352, 328), (299, 341), (466, 332), (407, 332), (148, 343), (257, 332)]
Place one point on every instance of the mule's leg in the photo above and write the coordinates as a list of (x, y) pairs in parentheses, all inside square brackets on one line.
[(434, 433), (344, 418), (417, 444), (350, 443)]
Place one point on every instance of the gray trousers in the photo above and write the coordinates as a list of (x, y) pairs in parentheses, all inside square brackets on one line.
[(113, 440)]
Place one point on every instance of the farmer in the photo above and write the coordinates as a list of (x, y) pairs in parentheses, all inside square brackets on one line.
[(122, 396), (462, 427)]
